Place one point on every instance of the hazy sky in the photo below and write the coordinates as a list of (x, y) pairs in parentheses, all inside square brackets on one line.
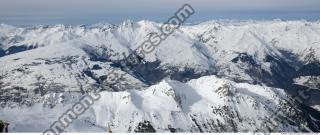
[(114, 11)]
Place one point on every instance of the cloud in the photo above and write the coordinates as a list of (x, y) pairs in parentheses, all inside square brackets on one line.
[(12, 11), (140, 6)]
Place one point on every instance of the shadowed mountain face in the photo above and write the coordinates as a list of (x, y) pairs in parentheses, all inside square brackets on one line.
[(55, 65)]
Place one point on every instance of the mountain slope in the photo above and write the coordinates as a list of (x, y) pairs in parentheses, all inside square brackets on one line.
[(207, 104)]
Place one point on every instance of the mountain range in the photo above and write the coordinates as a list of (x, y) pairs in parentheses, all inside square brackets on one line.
[(215, 76)]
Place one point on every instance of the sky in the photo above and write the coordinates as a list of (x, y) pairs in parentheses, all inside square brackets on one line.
[(26, 12)]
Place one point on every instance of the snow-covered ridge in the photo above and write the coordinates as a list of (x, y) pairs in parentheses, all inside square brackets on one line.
[(245, 51), (226, 48), (259, 37), (207, 104), (52, 34)]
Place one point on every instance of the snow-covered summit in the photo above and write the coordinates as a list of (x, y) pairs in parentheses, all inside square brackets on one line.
[(207, 104)]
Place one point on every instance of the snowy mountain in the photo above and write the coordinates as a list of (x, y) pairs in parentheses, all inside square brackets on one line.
[(260, 63), (207, 104)]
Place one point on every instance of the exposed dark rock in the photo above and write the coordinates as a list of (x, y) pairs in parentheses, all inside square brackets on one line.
[(17, 49), (3, 127), (311, 69), (245, 58), (96, 67), (145, 127), (2, 53), (172, 130)]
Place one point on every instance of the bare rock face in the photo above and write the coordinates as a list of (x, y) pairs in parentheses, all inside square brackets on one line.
[(226, 90), (3, 127)]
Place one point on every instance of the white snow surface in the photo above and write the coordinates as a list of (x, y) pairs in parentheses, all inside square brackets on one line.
[(316, 107), (167, 103)]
